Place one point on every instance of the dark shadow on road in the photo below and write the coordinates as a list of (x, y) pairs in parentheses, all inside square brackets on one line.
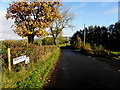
[(66, 47)]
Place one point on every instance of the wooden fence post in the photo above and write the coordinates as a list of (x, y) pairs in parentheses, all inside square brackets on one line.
[(9, 60)]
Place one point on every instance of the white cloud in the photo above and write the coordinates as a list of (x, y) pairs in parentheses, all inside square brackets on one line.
[(112, 11), (103, 4), (6, 31), (79, 6), (82, 5)]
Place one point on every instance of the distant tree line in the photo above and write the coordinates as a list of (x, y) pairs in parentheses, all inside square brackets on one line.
[(108, 37)]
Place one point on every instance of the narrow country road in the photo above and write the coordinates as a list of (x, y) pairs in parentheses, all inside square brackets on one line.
[(79, 71)]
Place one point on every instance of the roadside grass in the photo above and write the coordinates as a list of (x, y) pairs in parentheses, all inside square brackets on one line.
[(33, 76), (98, 51), (115, 52), (64, 45), (77, 50)]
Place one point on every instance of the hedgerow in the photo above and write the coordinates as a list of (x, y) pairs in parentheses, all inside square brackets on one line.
[(42, 59)]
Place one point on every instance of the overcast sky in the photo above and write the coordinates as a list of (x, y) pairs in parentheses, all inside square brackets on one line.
[(89, 13)]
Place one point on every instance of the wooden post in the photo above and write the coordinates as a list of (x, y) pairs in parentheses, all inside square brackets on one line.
[(9, 60), (26, 39)]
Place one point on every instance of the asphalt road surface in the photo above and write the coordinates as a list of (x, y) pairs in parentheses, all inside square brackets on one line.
[(80, 71)]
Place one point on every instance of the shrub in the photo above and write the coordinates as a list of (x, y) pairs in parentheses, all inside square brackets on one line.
[(76, 42), (87, 46), (86, 50), (118, 57), (98, 48), (38, 42), (48, 41), (60, 40), (95, 50)]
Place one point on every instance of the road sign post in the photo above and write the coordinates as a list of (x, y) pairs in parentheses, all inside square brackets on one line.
[(9, 60)]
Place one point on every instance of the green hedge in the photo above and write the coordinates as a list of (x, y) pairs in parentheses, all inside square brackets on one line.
[(34, 52), (33, 75), (48, 41)]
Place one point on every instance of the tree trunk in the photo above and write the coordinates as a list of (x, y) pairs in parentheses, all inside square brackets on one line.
[(55, 41), (30, 38)]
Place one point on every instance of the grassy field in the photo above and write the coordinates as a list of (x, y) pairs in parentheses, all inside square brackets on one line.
[(34, 76)]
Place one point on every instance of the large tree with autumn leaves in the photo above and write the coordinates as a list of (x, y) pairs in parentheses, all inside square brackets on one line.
[(32, 18)]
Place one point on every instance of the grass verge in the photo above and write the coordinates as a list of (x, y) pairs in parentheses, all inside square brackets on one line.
[(115, 52), (34, 76)]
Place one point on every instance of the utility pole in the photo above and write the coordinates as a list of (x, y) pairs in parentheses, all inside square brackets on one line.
[(84, 34), (119, 11)]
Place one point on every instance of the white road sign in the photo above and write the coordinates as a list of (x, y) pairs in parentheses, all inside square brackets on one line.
[(27, 60), (19, 59)]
